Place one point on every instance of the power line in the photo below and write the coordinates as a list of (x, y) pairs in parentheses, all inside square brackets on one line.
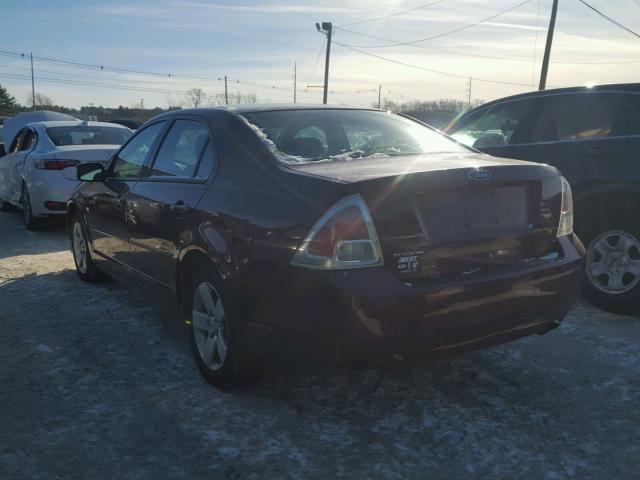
[(397, 62), (456, 30), (617, 24), (74, 64), (395, 14), (480, 55)]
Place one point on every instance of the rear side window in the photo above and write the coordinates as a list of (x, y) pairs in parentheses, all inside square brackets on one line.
[(29, 140), (18, 140), (181, 150), (207, 163), (495, 127), (579, 117), (132, 157)]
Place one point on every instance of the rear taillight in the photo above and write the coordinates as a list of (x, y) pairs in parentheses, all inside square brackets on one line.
[(56, 164), (565, 225), (344, 237)]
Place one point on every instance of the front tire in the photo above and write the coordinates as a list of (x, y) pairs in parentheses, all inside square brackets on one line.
[(217, 342), (612, 279), (85, 267)]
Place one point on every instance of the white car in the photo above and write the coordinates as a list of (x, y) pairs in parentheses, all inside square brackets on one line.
[(31, 172)]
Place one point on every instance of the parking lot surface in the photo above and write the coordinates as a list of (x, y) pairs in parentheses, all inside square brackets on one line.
[(95, 383)]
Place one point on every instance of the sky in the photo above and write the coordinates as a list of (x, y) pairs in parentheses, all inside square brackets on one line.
[(256, 43)]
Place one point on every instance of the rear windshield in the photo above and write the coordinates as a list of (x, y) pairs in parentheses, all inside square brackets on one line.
[(297, 136), (86, 135)]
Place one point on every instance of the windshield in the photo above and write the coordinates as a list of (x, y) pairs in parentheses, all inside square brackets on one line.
[(86, 135), (297, 136)]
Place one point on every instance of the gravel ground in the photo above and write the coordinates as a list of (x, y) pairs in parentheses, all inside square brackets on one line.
[(94, 386)]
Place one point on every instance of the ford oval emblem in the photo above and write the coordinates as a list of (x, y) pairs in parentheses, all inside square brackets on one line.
[(479, 174)]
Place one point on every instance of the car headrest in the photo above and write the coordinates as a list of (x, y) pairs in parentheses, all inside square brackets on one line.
[(307, 147)]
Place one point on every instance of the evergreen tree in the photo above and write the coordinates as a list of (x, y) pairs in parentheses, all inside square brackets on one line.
[(7, 102)]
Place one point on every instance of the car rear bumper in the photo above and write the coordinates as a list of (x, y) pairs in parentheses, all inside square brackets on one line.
[(49, 186), (370, 316)]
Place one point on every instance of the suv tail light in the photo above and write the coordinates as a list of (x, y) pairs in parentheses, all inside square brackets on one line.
[(344, 237), (565, 226), (55, 164)]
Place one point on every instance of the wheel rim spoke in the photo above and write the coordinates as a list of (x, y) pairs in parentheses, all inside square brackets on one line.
[(615, 281), (633, 268), (200, 321), (222, 346), (598, 268), (219, 311), (207, 299), (209, 351), (208, 323)]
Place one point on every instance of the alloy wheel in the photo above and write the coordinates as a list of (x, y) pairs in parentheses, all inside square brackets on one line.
[(79, 248), (613, 262), (209, 326)]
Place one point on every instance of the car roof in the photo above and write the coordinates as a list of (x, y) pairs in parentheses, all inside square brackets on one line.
[(628, 87), (256, 107), (78, 123)]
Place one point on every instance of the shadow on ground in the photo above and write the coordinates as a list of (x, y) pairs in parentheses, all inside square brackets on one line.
[(99, 384)]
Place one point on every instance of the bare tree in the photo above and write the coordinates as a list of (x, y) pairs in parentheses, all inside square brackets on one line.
[(234, 98), (41, 100), (195, 97)]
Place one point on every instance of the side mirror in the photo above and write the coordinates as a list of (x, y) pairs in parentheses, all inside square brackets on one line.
[(90, 172)]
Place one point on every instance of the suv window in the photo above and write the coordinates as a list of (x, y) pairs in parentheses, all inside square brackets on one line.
[(181, 150), (131, 159), (578, 117), (495, 127), (633, 114)]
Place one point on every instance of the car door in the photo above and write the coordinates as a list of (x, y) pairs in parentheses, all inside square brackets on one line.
[(494, 129), (6, 183), (582, 134), (18, 165), (106, 201), (162, 203), (10, 181)]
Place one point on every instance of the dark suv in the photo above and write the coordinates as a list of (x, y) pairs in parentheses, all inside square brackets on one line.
[(592, 135)]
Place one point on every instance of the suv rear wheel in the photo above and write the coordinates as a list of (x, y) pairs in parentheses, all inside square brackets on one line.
[(613, 269)]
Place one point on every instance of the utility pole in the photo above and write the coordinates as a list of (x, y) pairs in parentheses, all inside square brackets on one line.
[(295, 81), (547, 48), (226, 93), (33, 85), (379, 97), (142, 104), (469, 91), (327, 29)]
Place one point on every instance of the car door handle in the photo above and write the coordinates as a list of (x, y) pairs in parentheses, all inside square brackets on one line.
[(179, 208)]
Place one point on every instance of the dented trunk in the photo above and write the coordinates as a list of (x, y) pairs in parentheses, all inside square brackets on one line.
[(444, 215)]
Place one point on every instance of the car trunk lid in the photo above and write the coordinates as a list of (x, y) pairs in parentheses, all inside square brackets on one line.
[(443, 215)]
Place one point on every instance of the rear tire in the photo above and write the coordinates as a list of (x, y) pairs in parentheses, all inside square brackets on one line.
[(217, 341), (85, 267), (30, 221), (612, 279)]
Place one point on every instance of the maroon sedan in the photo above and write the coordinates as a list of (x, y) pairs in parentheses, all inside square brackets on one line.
[(343, 235)]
